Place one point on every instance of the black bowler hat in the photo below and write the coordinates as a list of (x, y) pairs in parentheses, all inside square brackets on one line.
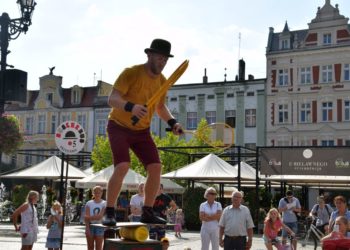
[(160, 46)]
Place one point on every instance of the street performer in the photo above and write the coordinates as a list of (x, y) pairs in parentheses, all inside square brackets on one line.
[(131, 90)]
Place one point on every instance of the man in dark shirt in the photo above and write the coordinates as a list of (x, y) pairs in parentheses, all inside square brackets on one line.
[(162, 206)]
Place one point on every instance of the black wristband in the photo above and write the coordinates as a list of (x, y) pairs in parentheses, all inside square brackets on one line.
[(171, 123), (129, 106)]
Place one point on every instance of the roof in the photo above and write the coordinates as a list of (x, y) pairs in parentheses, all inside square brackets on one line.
[(211, 167), (48, 169)]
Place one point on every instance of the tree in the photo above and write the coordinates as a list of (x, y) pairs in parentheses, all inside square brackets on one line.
[(101, 154), (10, 136)]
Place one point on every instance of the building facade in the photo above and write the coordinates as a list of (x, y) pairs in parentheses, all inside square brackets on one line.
[(240, 104), (308, 82), (51, 105)]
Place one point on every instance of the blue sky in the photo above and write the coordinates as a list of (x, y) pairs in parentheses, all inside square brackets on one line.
[(89, 40)]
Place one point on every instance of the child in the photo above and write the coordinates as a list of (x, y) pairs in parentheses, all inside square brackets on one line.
[(29, 228), (341, 223), (165, 243), (54, 224), (179, 221), (94, 211), (273, 224)]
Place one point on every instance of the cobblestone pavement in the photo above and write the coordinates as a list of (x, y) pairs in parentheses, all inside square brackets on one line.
[(74, 238)]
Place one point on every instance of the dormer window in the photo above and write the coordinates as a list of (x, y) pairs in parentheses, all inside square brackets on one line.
[(49, 97), (76, 96), (327, 39), (284, 44)]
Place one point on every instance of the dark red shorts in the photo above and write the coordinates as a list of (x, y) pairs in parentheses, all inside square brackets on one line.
[(140, 142)]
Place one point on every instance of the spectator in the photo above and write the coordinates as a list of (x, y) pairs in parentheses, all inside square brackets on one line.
[(272, 226), (29, 220), (54, 224), (334, 239), (94, 211), (341, 210), (232, 216), (289, 206), (136, 203), (179, 221), (209, 214), (320, 213), (163, 205)]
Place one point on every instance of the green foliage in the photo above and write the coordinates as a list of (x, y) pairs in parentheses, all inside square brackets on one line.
[(51, 196), (192, 198), (265, 199), (19, 196), (10, 136), (101, 154)]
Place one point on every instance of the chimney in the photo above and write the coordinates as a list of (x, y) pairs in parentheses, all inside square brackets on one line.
[(241, 70), (205, 78)]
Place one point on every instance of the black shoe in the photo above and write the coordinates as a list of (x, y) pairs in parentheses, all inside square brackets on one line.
[(153, 220), (109, 220), (148, 217)]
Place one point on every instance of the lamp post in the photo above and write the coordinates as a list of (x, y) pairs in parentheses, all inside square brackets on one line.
[(10, 30)]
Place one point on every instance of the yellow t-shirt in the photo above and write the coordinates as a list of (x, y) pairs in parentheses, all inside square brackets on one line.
[(136, 86)]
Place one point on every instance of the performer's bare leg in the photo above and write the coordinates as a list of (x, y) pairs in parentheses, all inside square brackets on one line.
[(113, 189)]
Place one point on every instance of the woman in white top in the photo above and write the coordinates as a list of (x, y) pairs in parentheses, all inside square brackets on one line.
[(29, 220), (209, 214), (94, 211)]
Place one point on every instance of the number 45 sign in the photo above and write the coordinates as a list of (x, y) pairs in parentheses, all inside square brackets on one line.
[(70, 137)]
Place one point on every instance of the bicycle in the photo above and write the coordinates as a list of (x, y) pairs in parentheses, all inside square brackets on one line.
[(312, 232), (284, 246)]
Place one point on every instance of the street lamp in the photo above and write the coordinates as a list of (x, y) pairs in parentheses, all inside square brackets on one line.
[(10, 30)]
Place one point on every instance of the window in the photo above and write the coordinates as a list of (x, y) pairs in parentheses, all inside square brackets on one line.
[(347, 110), (41, 124), (76, 97), (305, 112), (53, 124), (29, 125), (230, 118), (327, 109), (101, 127), (191, 98), (230, 95), (250, 94), (211, 97), (49, 97), (327, 39), (305, 75), (327, 73), (82, 120), (173, 99), (283, 113), (250, 118), (346, 72), (27, 160), (327, 143), (283, 77), (285, 44), (210, 116), (65, 117), (191, 120)]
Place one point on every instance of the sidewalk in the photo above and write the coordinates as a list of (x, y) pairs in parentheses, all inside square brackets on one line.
[(74, 238)]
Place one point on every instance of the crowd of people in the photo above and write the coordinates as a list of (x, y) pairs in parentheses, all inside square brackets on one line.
[(230, 227)]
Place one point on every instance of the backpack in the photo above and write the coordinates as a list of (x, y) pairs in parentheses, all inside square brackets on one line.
[(318, 206)]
